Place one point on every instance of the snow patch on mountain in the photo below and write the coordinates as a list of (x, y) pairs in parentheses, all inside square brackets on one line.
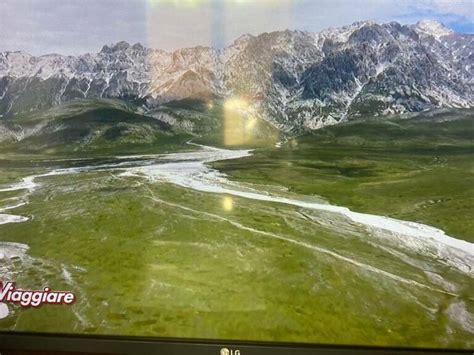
[(432, 28)]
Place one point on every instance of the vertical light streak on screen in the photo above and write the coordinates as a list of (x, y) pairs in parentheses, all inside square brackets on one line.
[(241, 123), (216, 26)]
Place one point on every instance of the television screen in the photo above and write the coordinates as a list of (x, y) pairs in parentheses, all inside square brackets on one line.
[(286, 171)]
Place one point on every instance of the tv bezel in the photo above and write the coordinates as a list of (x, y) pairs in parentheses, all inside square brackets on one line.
[(105, 344)]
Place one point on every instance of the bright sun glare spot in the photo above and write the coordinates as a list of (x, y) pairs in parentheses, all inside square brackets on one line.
[(251, 123), (240, 120), (236, 104), (227, 203)]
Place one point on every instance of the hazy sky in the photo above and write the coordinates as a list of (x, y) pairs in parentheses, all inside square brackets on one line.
[(79, 26)]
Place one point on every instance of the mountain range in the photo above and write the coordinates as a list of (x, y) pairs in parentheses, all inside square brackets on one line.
[(292, 79)]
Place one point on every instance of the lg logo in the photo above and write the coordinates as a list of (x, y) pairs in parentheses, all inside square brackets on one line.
[(225, 351)]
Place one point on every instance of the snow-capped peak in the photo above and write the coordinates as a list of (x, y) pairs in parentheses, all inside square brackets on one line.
[(432, 28)]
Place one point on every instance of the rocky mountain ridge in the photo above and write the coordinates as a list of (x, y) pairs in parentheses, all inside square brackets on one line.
[(295, 80)]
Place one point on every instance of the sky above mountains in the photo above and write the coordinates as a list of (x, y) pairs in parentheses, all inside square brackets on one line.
[(79, 26)]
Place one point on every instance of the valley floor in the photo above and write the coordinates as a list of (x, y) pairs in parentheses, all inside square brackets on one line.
[(357, 234)]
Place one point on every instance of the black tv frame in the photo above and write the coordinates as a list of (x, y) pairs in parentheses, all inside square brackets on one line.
[(14, 342)]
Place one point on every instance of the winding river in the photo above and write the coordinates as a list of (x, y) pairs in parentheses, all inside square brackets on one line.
[(190, 170)]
